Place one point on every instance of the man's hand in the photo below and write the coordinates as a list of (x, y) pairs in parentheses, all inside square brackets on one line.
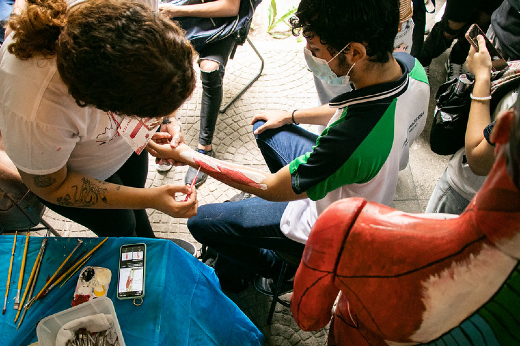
[(273, 120), (169, 133), (168, 10), (165, 151)]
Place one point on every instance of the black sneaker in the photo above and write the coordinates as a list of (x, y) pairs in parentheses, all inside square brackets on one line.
[(266, 286), (453, 71), (240, 197), (201, 177)]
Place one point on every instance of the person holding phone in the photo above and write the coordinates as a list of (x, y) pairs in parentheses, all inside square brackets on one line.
[(469, 166), (457, 18), (66, 90)]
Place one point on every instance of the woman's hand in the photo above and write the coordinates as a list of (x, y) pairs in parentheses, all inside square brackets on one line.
[(168, 203), (273, 120), (479, 63)]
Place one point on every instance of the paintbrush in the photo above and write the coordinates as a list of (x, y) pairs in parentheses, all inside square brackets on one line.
[(50, 281), (31, 277), (22, 269), (192, 184), (83, 261), (9, 274), (48, 287), (33, 283)]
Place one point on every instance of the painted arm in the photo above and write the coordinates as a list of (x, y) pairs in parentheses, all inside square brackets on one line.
[(71, 189), (479, 152), (313, 116), (213, 9), (270, 186)]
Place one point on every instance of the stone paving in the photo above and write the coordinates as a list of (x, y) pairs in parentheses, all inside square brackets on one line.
[(284, 84)]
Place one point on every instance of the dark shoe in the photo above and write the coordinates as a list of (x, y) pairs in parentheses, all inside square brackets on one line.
[(453, 70), (201, 177), (240, 197), (207, 253), (234, 284), (267, 286)]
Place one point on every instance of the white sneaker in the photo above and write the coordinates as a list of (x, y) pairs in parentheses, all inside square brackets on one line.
[(452, 70), (164, 166)]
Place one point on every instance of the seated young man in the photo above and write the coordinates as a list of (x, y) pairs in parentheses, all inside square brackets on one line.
[(360, 152)]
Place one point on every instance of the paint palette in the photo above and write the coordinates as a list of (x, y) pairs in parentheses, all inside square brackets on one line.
[(93, 283)]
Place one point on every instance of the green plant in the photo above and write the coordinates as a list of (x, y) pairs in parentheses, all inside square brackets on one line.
[(274, 21)]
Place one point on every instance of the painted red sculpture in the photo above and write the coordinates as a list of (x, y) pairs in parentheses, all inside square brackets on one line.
[(408, 279)]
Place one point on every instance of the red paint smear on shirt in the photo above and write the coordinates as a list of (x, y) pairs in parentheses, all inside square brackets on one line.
[(226, 174)]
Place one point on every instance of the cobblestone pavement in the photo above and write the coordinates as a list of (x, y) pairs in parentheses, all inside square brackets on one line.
[(286, 84)]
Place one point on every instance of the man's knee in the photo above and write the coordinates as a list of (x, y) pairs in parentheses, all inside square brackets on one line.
[(199, 226), (256, 125)]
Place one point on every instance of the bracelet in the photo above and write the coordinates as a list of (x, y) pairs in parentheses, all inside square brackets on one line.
[(476, 98), (166, 121), (292, 116)]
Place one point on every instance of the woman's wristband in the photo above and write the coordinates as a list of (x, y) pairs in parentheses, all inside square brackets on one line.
[(477, 98), (292, 116)]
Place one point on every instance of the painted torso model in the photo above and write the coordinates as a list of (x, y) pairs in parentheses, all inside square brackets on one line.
[(406, 279)]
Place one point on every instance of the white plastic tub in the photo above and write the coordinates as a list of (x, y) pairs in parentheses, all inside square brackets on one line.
[(48, 328)]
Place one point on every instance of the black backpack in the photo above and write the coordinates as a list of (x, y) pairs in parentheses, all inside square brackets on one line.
[(453, 104), (201, 31)]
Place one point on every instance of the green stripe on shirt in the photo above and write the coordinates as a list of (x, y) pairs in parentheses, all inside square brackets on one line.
[(366, 161)]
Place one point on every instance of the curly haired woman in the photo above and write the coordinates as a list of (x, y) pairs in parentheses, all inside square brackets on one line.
[(71, 77)]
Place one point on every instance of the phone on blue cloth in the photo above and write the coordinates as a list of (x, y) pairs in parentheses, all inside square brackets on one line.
[(132, 268)]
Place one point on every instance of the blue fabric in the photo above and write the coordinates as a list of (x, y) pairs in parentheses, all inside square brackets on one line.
[(183, 303), (6, 6)]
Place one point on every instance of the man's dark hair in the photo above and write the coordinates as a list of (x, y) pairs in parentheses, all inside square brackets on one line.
[(119, 56), (373, 23)]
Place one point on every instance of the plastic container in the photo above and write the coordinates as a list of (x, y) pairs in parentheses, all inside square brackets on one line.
[(49, 327)]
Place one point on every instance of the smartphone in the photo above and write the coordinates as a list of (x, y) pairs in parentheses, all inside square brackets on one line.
[(132, 268), (497, 61)]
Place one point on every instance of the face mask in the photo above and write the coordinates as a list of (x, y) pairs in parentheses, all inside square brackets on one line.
[(321, 69)]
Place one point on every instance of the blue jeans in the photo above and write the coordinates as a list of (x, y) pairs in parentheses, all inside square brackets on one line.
[(246, 232), (445, 199)]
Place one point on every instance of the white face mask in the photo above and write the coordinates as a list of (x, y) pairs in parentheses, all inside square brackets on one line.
[(321, 69)]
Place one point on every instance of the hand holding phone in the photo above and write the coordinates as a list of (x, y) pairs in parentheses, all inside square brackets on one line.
[(497, 61), (132, 265)]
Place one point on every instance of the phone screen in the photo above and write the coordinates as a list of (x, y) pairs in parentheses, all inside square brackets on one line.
[(131, 271), (497, 60)]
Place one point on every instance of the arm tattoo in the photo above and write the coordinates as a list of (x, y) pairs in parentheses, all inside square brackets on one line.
[(88, 195), (43, 180)]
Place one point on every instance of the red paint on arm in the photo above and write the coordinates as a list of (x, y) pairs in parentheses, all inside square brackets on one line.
[(227, 174)]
